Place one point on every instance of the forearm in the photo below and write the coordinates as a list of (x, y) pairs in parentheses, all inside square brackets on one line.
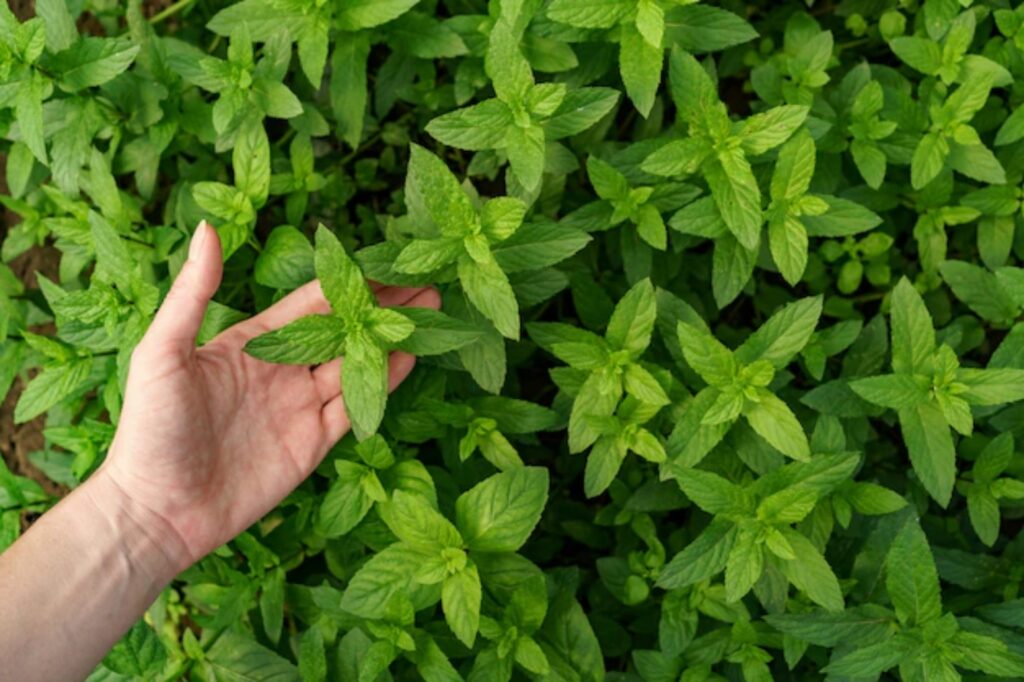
[(78, 579)]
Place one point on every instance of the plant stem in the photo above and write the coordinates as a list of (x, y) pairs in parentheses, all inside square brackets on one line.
[(170, 11)]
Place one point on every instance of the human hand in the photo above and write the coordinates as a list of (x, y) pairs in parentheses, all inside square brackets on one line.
[(210, 439)]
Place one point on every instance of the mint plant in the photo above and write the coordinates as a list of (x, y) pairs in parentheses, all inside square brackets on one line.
[(737, 385), (357, 328), (932, 392), (727, 378)]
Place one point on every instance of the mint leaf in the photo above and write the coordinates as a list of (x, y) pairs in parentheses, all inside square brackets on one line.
[(499, 514)]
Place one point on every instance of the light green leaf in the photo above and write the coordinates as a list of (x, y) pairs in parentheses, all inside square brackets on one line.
[(358, 14), (364, 382), (461, 596), (632, 322), (499, 514), (913, 337), (309, 340), (772, 419), (911, 578), (341, 279), (931, 449), (481, 126)]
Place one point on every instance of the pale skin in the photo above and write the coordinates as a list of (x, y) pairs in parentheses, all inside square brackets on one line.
[(208, 442)]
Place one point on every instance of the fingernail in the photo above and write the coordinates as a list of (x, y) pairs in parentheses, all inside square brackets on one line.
[(198, 237)]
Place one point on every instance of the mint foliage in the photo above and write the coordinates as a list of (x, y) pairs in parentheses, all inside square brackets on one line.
[(728, 373)]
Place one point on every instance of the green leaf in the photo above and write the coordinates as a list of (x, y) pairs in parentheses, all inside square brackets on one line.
[(913, 337), (436, 333), (608, 183), (537, 245), (481, 126), (992, 386), (50, 387), (92, 61), (312, 659), (714, 494), (506, 66), (139, 653), (60, 26), (28, 108), (272, 604), (415, 522), (737, 195), (706, 355), (234, 657), (525, 147), (983, 510), (488, 289), (461, 596), (772, 419), (743, 567), (894, 391), (340, 278), (640, 66), (811, 573), (732, 266), (1012, 129), (364, 381), (843, 218), (499, 514), (579, 111), (929, 159), (309, 340), (980, 290), (603, 464), (251, 161), (678, 157), (772, 128), (783, 335), (433, 187), (584, 14), (632, 322), (795, 166), (358, 14), (911, 578), (702, 559), (931, 449), (919, 53), (701, 28), (387, 573), (346, 502), (787, 240), (286, 261), (871, 660), (348, 88)]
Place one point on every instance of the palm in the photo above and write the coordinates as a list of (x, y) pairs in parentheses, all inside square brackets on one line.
[(228, 436)]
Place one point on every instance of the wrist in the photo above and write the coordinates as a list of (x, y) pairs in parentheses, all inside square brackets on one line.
[(149, 545)]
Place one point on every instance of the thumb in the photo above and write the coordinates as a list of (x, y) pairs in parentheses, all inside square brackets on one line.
[(180, 316)]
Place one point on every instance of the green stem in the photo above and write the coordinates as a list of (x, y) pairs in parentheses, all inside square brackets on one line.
[(854, 43), (170, 11)]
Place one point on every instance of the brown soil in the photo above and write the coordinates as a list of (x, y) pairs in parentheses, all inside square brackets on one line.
[(23, 9)]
